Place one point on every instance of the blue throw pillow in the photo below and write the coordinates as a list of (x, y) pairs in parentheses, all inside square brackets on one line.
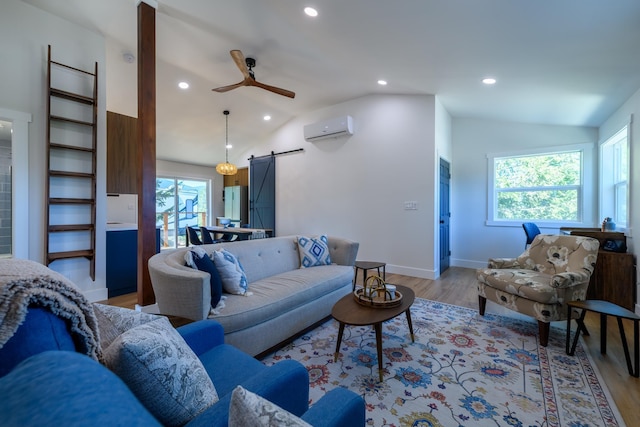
[(204, 263), (234, 280), (313, 251)]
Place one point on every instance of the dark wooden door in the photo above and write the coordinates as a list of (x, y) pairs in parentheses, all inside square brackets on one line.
[(445, 215), (262, 189)]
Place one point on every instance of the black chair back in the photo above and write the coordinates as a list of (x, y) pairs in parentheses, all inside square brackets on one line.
[(206, 236), (192, 237)]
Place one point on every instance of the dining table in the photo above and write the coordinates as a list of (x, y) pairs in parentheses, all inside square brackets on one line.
[(241, 232)]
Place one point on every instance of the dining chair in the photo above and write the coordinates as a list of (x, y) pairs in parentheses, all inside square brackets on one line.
[(531, 230), (192, 237), (206, 236)]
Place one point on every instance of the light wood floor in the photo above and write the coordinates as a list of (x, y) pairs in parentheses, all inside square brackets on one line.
[(457, 286)]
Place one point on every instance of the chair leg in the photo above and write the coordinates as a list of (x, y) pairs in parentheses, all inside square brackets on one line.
[(543, 331), (482, 304)]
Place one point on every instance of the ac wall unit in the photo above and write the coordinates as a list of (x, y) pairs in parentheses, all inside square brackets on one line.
[(330, 128)]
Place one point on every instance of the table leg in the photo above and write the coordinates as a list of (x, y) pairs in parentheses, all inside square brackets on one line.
[(568, 340), (636, 348), (603, 333), (378, 328), (625, 347), (580, 321), (408, 312), (340, 332)]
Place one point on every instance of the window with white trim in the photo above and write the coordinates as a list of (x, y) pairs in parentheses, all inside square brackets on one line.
[(545, 187), (614, 175)]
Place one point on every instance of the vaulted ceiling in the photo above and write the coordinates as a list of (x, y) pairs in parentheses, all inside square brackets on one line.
[(570, 62)]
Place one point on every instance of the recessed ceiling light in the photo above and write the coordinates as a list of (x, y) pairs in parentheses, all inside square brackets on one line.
[(228, 146), (382, 82), (311, 12), (183, 85), (267, 117), (489, 81)]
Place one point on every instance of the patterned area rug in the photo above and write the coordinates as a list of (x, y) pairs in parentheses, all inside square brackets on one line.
[(462, 370)]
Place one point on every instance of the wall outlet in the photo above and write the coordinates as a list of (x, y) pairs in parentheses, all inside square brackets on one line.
[(410, 206)]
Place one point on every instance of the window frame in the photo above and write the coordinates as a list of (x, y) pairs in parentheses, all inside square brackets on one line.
[(609, 174), (585, 188)]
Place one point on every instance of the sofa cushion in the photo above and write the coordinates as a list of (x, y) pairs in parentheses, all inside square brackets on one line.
[(234, 281), (162, 371), (529, 284), (281, 293), (250, 410), (314, 251)]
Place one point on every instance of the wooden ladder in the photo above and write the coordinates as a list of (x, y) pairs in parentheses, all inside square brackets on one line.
[(70, 193)]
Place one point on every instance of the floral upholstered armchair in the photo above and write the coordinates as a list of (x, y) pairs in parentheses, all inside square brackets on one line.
[(554, 270)]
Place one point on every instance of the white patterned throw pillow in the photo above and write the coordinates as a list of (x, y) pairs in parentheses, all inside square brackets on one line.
[(234, 281), (162, 371), (313, 251), (247, 409)]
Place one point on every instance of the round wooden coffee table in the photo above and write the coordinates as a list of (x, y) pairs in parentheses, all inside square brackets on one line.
[(348, 311)]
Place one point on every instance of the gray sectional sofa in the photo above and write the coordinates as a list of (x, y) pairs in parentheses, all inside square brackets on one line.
[(285, 298)]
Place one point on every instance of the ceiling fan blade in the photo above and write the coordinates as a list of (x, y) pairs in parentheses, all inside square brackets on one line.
[(241, 63), (230, 87), (274, 89)]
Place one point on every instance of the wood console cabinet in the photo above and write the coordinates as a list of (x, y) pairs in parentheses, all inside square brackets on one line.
[(614, 278)]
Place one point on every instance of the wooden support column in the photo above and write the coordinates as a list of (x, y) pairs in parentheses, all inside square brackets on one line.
[(146, 177)]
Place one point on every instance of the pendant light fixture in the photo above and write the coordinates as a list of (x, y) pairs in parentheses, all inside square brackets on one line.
[(226, 168)]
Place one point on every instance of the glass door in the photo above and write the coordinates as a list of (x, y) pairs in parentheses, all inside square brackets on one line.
[(180, 202)]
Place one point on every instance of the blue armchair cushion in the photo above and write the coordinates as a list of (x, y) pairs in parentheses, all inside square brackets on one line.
[(62, 388), (40, 331), (313, 251), (234, 280), (162, 371), (250, 410)]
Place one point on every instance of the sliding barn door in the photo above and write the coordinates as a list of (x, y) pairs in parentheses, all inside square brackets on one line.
[(262, 189)]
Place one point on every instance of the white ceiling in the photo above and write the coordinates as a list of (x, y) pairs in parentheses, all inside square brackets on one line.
[(571, 62)]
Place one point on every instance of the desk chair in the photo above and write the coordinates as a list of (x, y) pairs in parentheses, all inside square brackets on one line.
[(531, 230)]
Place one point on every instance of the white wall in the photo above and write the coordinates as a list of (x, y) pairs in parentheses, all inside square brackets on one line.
[(473, 242), (25, 32), (356, 186), (630, 110)]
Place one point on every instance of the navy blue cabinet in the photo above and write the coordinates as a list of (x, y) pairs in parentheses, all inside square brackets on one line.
[(122, 260)]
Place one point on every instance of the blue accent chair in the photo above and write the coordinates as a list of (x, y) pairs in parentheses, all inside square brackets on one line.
[(54, 385)]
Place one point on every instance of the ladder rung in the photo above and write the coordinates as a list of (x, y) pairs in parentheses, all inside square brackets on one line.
[(71, 174), (66, 119), (70, 147), (71, 96), (84, 253), (69, 201), (72, 68), (71, 227)]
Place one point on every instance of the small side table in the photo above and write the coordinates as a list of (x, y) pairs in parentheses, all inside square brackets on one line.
[(605, 308), (368, 265)]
